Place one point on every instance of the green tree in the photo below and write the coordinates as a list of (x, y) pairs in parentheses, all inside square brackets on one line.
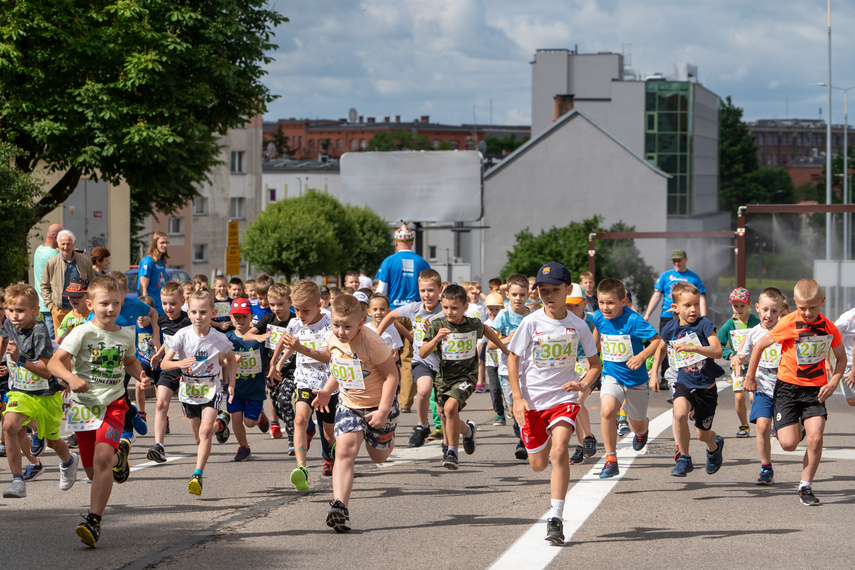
[(386, 141), (569, 246), (504, 145), (737, 160), (129, 90), (375, 239), (280, 142), (20, 190), (773, 185)]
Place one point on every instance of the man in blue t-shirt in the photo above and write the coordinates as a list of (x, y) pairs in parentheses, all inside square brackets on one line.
[(666, 282), (398, 275)]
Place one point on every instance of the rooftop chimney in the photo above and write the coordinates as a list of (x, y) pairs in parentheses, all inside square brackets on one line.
[(561, 105), (386, 120), (370, 119), (425, 119), (361, 118), (397, 118)]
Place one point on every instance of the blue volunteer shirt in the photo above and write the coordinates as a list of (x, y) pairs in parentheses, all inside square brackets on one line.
[(666, 283), (627, 323), (156, 273), (401, 273), (131, 311), (705, 372)]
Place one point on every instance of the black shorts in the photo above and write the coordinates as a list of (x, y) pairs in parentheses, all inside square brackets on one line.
[(194, 411), (307, 396), (169, 378), (704, 402), (421, 369), (794, 403), (154, 375)]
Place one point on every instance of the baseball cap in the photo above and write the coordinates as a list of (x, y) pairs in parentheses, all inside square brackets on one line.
[(678, 254), (361, 297), (76, 287), (404, 233), (325, 290), (553, 273), (576, 295), (240, 307), (494, 300), (740, 294)]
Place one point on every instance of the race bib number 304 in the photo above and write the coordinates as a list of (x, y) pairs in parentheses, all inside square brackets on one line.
[(556, 351), (459, 346), (348, 372)]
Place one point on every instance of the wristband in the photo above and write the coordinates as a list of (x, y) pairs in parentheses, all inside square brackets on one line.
[(22, 361)]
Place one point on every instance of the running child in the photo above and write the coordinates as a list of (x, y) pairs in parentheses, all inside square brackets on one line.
[(247, 406), (222, 304), (306, 336), (545, 394), (263, 283), (199, 349), (378, 307), (424, 369), (171, 321), (692, 346), (622, 332), (806, 337), (731, 335), (35, 394), (235, 289), (146, 349), (455, 337), (249, 287), (586, 281), (493, 304), (763, 409), (363, 372), (845, 323), (76, 293), (92, 361), (576, 303)]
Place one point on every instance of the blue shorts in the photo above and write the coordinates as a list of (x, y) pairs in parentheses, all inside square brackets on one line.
[(763, 407), (352, 420), (251, 408)]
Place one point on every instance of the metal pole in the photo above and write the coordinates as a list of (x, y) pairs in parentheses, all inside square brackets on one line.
[(846, 228), (828, 148)]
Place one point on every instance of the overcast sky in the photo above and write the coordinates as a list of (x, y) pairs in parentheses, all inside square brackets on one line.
[(444, 57)]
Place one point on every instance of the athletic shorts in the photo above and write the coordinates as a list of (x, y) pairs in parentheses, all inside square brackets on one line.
[(110, 432), (459, 390), (538, 424), (421, 369), (171, 379), (703, 401), (251, 409), (794, 403), (194, 411), (349, 420), (154, 375), (636, 397), (848, 392), (763, 407), (304, 395), (46, 411)]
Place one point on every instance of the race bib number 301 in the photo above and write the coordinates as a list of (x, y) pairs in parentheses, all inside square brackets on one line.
[(556, 351)]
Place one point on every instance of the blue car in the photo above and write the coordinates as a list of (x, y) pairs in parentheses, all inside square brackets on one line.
[(178, 275)]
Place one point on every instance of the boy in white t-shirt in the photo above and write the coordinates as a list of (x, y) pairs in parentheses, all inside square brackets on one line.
[(493, 304), (201, 349), (546, 393), (378, 307)]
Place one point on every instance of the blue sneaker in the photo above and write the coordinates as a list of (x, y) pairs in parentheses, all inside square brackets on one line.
[(33, 471), (610, 469), (683, 467), (129, 435), (37, 444), (715, 458), (767, 476), (623, 427), (139, 423), (640, 440)]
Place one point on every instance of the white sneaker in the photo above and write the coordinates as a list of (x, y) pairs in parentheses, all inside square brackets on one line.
[(17, 490), (68, 475)]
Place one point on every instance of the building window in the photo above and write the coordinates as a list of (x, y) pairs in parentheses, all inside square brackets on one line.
[(200, 251), (237, 162), (432, 251), (200, 206), (455, 145), (363, 144), (312, 145), (339, 144), (176, 226), (237, 208), (436, 143), (353, 144), (272, 194), (470, 145)]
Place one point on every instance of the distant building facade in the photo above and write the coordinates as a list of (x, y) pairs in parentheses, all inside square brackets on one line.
[(780, 142)]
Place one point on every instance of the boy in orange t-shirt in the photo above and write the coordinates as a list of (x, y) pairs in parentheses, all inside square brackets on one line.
[(803, 386)]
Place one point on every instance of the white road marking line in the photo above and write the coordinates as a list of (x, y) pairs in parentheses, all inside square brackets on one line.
[(827, 452), (153, 463), (583, 498), (402, 454)]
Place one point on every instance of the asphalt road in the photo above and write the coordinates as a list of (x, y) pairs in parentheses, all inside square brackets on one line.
[(413, 513)]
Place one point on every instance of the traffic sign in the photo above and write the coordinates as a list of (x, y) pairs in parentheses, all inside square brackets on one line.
[(233, 241), (233, 261)]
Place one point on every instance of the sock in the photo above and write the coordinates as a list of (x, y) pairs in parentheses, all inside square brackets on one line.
[(69, 463), (468, 430), (766, 466), (804, 484), (557, 510), (197, 472), (272, 422), (95, 519), (21, 477), (425, 426), (454, 449), (611, 457)]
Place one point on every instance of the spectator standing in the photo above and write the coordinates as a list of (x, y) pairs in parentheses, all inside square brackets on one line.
[(58, 273)]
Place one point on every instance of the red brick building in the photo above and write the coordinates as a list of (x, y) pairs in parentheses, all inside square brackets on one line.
[(781, 141), (312, 138)]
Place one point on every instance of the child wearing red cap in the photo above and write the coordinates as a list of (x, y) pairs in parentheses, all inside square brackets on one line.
[(730, 335)]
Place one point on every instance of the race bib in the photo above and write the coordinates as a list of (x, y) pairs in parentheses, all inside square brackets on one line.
[(459, 346), (221, 309), (167, 340), (196, 389), (144, 345), (249, 363), (812, 349), (681, 359), (556, 351), (492, 358), (348, 372), (581, 367), (736, 337), (85, 418), (25, 380), (419, 329), (312, 341), (275, 334), (771, 357), (617, 347)]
